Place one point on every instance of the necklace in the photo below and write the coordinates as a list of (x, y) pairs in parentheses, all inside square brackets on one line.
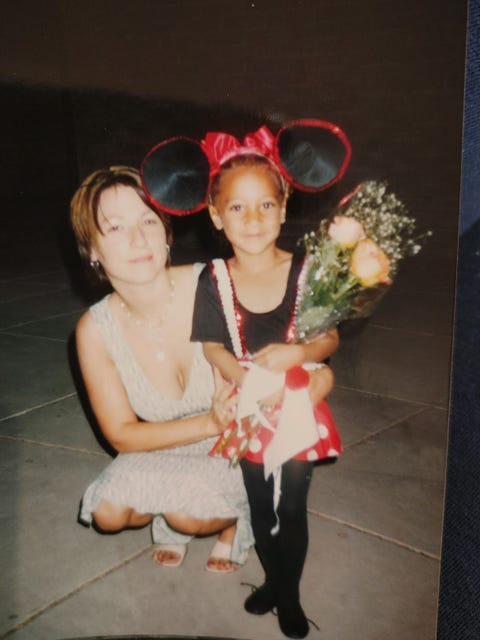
[(156, 329)]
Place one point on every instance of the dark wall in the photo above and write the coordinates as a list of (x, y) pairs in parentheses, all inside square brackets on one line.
[(88, 84), (103, 81)]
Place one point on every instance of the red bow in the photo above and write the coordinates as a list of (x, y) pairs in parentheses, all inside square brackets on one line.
[(220, 147)]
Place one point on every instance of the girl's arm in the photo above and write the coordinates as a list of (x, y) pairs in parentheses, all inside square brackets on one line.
[(281, 357), (224, 361), (321, 383), (109, 401)]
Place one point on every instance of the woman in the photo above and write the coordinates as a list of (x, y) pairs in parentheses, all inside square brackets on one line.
[(151, 388)]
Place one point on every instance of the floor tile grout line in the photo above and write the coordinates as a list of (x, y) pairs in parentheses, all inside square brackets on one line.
[(80, 587), (41, 278), (375, 394), (32, 278), (35, 336), (51, 291), (38, 406), (31, 335), (411, 331), (53, 445), (380, 430), (54, 317), (375, 534)]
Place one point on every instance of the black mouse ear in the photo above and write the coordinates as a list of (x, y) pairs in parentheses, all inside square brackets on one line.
[(312, 154), (175, 176)]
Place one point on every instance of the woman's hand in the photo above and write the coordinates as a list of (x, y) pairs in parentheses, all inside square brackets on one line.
[(224, 404)]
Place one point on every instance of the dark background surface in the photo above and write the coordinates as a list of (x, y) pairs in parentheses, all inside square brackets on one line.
[(90, 84)]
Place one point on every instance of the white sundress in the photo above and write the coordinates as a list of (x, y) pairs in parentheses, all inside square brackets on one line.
[(182, 479)]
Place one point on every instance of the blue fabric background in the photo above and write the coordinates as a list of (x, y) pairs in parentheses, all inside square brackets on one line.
[(459, 603)]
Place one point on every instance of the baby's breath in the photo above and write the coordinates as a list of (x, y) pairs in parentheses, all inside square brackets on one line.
[(385, 220)]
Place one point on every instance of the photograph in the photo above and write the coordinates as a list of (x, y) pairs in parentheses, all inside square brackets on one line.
[(237, 268)]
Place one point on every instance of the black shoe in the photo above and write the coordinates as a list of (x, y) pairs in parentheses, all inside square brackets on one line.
[(260, 601), (292, 620)]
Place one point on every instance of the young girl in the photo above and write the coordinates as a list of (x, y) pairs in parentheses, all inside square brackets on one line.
[(244, 316)]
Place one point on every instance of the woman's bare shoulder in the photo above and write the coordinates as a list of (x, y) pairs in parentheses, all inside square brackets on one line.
[(183, 270), (86, 331), (186, 275)]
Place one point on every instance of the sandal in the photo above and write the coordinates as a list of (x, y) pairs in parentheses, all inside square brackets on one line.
[(221, 551), (178, 550)]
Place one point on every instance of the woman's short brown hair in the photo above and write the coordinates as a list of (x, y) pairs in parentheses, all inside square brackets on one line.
[(84, 210)]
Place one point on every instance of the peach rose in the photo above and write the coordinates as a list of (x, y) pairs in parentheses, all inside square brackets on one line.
[(369, 264), (346, 231)]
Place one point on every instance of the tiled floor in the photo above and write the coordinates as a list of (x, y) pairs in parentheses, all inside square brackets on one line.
[(376, 515)]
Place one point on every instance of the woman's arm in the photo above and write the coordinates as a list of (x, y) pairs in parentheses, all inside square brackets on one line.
[(224, 361), (109, 401)]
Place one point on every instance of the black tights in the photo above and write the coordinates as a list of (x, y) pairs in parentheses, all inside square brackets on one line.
[(282, 555)]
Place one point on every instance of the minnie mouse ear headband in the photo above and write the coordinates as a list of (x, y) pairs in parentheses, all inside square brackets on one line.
[(177, 173)]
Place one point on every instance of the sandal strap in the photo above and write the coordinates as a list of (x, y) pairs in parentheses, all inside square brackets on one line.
[(221, 550)]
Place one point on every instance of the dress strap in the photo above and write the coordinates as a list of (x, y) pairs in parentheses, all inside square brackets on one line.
[(221, 277)]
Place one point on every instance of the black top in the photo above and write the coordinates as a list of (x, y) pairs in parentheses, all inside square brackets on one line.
[(259, 329)]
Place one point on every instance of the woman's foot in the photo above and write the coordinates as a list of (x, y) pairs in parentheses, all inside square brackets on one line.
[(169, 555), (219, 559), (292, 620), (261, 601)]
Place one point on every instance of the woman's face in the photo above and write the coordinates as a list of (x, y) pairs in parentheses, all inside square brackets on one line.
[(132, 246)]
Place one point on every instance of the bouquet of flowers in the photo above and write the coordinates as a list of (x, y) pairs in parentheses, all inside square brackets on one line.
[(353, 258)]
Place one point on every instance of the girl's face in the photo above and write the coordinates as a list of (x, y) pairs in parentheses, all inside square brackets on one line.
[(132, 246), (249, 208)]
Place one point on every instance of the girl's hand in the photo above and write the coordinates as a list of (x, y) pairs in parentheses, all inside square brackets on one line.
[(278, 357), (224, 403), (321, 383)]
